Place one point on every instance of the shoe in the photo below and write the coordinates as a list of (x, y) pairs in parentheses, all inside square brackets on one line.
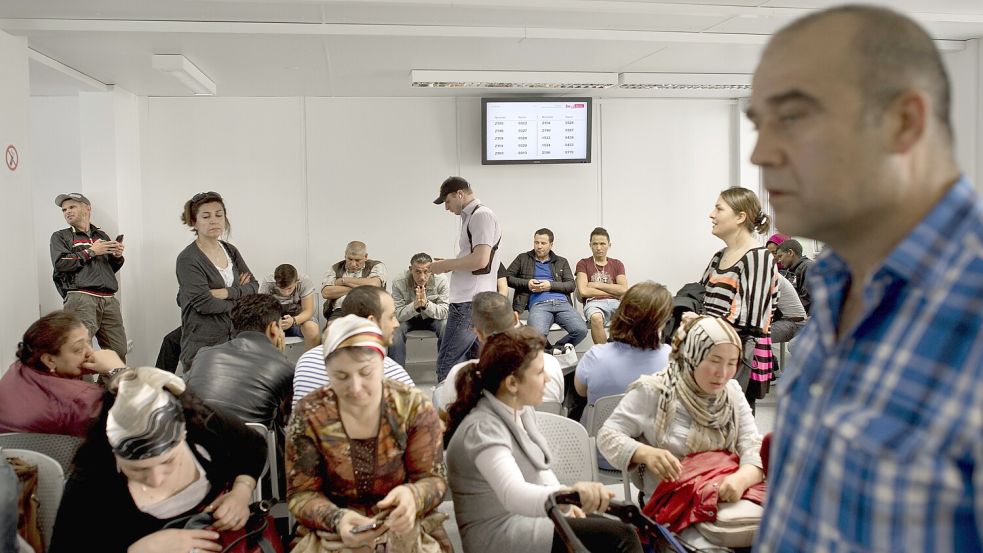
[(557, 351)]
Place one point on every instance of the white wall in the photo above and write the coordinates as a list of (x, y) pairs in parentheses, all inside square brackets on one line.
[(55, 142), (19, 301)]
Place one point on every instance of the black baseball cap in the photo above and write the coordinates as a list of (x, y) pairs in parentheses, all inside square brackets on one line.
[(60, 199), (449, 186)]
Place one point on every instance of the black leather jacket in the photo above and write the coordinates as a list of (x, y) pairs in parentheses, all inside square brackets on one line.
[(247, 377), (523, 268)]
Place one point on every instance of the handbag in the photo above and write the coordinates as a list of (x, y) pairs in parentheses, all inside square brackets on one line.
[(259, 535)]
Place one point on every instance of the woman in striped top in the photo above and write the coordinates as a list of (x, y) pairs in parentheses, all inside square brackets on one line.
[(741, 284)]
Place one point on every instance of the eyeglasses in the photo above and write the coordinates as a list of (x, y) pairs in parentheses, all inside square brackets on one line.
[(202, 195)]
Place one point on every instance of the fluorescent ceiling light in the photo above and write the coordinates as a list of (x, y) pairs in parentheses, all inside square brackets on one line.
[(186, 72), (735, 84), (564, 80)]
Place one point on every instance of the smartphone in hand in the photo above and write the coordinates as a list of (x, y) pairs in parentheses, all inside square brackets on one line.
[(375, 524), (119, 238)]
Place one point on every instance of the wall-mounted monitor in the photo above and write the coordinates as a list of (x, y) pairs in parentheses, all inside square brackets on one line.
[(535, 130)]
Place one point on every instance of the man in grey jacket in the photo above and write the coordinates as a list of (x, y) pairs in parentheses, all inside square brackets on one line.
[(543, 283), (421, 304)]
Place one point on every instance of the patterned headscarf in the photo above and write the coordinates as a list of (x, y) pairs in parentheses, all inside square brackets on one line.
[(146, 420), (352, 331), (714, 415)]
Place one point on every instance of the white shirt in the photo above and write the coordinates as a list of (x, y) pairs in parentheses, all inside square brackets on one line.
[(311, 374), (484, 230), (444, 393)]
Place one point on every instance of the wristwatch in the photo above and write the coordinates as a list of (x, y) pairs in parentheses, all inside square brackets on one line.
[(113, 372)]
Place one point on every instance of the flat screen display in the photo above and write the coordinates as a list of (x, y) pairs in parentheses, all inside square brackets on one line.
[(535, 130)]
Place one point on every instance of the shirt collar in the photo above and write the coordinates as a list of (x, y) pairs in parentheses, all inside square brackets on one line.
[(469, 209)]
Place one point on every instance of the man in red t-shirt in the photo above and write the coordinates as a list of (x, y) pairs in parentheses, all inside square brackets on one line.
[(601, 282)]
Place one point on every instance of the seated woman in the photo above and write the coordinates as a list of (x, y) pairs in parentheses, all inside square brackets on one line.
[(635, 347), (691, 407), (157, 454), (365, 448), (498, 461), (43, 390)]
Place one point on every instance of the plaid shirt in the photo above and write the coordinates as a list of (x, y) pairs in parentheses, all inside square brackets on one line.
[(878, 444)]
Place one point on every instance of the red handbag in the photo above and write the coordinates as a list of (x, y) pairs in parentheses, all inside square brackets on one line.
[(259, 535)]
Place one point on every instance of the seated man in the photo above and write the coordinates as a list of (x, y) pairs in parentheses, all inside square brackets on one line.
[(543, 283), (601, 281), (491, 314), (296, 296), (353, 271), (376, 305), (248, 376), (789, 316), (797, 266), (421, 304)]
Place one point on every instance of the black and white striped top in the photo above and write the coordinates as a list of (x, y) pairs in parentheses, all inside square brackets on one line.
[(745, 294)]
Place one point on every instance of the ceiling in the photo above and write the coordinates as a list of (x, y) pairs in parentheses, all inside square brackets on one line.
[(368, 47)]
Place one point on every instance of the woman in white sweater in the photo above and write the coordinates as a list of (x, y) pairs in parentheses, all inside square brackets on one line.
[(690, 407), (498, 461)]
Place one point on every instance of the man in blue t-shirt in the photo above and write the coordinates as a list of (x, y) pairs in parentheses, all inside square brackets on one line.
[(543, 283)]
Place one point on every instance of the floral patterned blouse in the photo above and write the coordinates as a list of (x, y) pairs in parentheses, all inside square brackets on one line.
[(321, 477)]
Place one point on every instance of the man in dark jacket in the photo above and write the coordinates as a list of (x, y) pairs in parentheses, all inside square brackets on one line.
[(248, 376), (543, 283), (85, 263), (797, 266)]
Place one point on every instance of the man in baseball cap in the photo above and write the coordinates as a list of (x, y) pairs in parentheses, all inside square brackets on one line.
[(470, 271), (85, 263)]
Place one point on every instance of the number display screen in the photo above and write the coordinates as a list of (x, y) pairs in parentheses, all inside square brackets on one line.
[(535, 130)]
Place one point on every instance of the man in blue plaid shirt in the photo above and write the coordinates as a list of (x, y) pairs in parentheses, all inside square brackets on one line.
[(878, 444)]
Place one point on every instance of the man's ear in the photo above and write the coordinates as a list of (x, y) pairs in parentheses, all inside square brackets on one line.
[(271, 330), (908, 114)]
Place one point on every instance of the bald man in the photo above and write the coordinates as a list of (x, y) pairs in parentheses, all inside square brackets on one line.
[(878, 442)]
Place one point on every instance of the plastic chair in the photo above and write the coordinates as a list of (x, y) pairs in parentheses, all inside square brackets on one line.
[(51, 484), (271, 467), (599, 411), (554, 407), (59, 447), (573, 451)]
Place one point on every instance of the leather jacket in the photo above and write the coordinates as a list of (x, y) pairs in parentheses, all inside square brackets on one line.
[(246, 376)]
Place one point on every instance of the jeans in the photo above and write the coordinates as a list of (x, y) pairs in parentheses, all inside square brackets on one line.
[(543, 314), (459, 342), (397, 351)]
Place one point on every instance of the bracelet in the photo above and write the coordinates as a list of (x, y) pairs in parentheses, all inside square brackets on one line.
[(113, 372), (335, 520)]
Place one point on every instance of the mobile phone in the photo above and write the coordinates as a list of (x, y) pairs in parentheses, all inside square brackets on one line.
[(119, 238), (375, 524)]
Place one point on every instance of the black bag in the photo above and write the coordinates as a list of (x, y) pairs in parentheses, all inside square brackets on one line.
[(259, 535)]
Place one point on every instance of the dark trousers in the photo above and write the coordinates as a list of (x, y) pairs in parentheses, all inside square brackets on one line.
[(102, 316), (601, 535)]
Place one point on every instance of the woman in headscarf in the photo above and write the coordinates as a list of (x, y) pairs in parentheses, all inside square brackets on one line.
[(691, 407), (365, 449), (157, 454)]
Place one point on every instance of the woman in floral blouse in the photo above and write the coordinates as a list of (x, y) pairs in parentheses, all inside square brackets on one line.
[(365, 449)]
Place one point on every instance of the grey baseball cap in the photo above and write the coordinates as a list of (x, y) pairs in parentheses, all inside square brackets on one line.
[(60, 199)]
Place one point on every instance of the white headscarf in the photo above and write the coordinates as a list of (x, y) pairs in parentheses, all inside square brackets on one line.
[(146, 419)]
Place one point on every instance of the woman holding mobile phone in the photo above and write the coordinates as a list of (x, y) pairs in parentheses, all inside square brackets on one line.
[(364, 458)]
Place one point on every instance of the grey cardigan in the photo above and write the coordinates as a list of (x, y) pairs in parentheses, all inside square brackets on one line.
[(484, 522), (205, 319)]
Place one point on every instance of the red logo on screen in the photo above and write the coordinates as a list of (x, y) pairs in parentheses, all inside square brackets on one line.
[(576, 105)]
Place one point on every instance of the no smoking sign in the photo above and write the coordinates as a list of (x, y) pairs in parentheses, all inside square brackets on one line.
[(11, 157)]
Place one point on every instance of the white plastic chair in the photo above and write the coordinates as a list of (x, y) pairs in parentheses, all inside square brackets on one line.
[(271, 466), (599, 411), (573, 451), (554, 407), (59, 447), (51, 484)]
